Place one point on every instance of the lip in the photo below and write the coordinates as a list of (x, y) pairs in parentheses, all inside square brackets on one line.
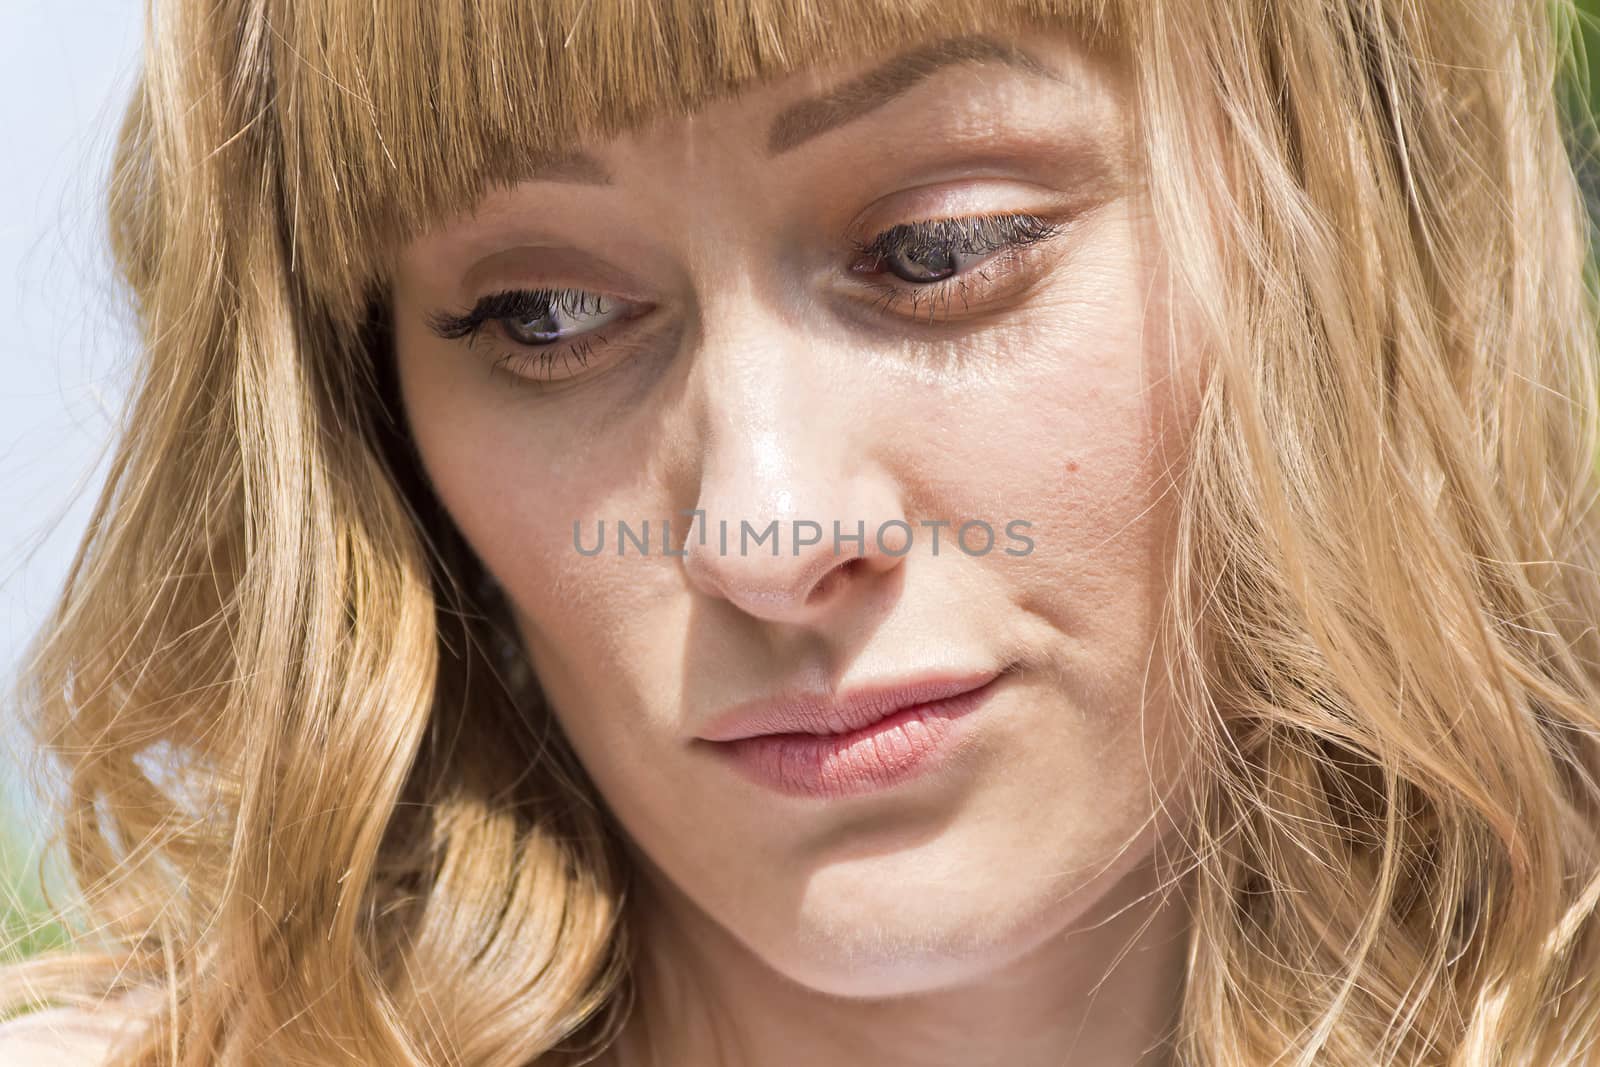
[(807, 713), (866, 739)]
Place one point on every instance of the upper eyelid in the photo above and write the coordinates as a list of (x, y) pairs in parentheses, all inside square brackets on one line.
[(995, 232)]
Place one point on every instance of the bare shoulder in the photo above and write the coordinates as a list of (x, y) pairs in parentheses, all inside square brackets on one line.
[(63, 1037)]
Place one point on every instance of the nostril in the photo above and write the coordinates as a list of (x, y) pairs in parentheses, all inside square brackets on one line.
[(833, 577)]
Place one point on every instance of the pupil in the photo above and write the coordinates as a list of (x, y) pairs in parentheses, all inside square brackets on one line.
[(923, 264)]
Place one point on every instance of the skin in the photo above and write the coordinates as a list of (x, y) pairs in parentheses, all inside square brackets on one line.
[(1000, 907)]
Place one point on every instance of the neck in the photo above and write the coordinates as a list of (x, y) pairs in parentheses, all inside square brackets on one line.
[(1106, 990)]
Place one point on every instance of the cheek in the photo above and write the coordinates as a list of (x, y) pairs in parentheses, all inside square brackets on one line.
[(514, 482), (1105, 441), (514, 474), (1081, 433)]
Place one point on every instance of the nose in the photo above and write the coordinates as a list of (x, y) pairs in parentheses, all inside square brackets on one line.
[(792, 500)]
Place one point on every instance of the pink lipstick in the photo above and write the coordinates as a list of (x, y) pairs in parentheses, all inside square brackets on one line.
[(867, 739)]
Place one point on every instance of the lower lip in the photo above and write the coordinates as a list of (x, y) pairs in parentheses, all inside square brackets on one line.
[(874, 757)]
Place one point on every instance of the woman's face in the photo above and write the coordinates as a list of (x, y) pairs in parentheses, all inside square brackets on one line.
[(918, 290)]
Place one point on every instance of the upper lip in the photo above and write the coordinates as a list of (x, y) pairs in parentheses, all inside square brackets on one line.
[(820, 713)]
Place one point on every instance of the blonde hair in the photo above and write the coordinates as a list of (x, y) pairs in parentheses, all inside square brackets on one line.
[(314, 797)]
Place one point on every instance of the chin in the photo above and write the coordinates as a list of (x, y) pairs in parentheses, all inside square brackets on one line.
[(882, 927)]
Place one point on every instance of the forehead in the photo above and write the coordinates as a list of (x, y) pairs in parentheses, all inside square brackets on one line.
[(785, 113), (387, 125)]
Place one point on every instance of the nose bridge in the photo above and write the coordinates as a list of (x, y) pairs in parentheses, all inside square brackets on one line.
[(772, 448), (789, 493), (771, 440)]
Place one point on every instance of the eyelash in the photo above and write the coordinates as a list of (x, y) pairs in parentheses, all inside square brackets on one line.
[(972, 235)]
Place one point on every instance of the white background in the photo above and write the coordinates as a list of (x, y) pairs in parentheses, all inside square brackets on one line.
[(66, 336)]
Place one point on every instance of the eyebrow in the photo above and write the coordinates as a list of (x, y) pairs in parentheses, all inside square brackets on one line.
[(809, 119)]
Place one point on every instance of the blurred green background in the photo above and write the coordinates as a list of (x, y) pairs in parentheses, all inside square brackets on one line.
[(24, 928)]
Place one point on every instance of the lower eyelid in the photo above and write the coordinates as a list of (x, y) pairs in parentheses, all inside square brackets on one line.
[(617, 343), (528, 365), (1006, 273)]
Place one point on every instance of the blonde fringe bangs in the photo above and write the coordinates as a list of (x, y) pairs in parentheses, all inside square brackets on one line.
[(394, 119), (312, 801)]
